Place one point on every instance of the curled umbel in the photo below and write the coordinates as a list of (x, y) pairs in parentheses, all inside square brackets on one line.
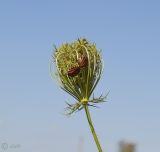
[(78, 69)]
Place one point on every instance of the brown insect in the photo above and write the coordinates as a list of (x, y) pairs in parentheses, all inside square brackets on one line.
[(83, 61), (73, 71)]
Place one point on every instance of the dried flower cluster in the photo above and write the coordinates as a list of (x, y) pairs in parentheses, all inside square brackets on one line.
[(78, 70)]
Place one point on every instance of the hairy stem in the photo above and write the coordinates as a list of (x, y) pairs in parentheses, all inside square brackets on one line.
[(92, 128)]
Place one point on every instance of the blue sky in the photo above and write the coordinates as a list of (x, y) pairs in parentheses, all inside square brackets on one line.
[(32, 105)]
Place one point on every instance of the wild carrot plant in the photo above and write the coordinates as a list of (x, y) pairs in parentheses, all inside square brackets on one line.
[(78, 69)]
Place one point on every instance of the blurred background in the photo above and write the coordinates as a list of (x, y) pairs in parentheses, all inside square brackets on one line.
[(32, 105)]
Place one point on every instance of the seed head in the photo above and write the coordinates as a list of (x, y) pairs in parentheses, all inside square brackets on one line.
[(78, 68)]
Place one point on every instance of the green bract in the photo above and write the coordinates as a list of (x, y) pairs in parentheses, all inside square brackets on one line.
[(78, 70)]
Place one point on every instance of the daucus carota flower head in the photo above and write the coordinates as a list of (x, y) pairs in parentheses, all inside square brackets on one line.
[(78, 70)]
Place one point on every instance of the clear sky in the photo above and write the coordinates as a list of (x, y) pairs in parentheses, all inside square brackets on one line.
[(32, 105)]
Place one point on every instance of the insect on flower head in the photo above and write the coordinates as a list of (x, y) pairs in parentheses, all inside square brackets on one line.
[(83, 61), (73, 71), (78, 68)]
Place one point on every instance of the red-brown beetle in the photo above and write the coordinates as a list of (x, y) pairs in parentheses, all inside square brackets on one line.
[(83, 61), (73, 71)]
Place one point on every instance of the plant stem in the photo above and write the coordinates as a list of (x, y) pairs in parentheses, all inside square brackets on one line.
[(92, 128)]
